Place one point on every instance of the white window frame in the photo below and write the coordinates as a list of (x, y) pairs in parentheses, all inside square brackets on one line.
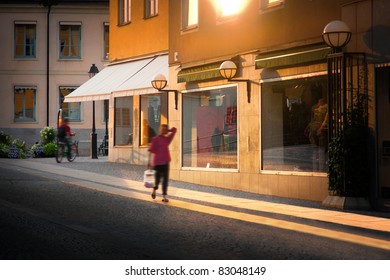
[(151, 8), (189, 14), (124, 12)]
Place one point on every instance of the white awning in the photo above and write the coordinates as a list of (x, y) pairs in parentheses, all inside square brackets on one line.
[(124, 79)]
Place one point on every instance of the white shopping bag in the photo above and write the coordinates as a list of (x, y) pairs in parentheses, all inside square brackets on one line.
[(149, 178)]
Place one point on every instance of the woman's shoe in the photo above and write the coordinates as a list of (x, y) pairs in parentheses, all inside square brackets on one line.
[(165, 200), (153, 195)]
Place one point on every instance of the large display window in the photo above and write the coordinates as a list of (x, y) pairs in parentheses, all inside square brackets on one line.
[(294, 115), (123, 121), (154, 109), (210, 128)]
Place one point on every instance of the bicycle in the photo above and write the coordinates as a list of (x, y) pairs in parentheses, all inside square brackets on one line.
[(62, 150)]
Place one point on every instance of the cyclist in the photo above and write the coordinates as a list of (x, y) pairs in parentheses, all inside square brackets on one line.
[(64, 134)]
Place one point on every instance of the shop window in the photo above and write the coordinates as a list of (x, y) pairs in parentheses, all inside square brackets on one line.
[(123, 135), (25, 104), (151, 8), (70, 40), (25, 40), (124, 12), (70, 110), (294, 125), (189, 10), (153, 114), (210, 128)]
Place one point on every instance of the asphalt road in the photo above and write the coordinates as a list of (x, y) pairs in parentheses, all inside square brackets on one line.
[(43, 218)]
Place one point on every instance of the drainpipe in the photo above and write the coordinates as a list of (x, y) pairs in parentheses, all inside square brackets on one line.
[(48, 4)]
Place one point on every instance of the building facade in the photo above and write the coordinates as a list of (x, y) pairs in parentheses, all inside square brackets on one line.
[(263, 129), (138, 52), (46, 55)]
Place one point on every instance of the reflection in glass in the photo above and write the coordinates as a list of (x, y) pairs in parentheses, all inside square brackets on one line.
[(210, 128), (123, 121), (70, 110), (294, 125)]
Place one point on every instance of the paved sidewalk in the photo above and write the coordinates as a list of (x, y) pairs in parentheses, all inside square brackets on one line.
[(126, 180)]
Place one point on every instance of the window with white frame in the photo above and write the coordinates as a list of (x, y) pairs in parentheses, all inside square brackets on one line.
[(189, 10), (70, 40), (25, 104), (265, 4), (210, 128), (71, 110), (123, 126), (124, 12), (106, 38), (25, 39), (151, 8), (154, 112), (294, 125)]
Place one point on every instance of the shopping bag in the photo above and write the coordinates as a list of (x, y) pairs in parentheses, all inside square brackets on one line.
[(149, 178)]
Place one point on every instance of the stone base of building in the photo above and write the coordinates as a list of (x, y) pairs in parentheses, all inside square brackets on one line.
[(347, 203)]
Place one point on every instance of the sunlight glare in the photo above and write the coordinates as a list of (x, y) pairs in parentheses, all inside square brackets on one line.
[(231, 7)]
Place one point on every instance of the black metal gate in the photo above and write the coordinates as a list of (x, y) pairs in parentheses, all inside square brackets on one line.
[(348, 124)]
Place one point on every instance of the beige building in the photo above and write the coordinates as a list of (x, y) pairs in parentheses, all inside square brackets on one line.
[(45, 55)]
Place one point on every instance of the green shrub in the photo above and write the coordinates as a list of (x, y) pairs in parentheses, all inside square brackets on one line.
[(5, 139), (50, 149), (48, 135), (19, 144), (4, 148)]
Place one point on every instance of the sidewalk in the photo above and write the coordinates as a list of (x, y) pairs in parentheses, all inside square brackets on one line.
[(126, 180)]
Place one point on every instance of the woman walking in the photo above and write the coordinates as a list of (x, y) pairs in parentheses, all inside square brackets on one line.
[(159, 148)]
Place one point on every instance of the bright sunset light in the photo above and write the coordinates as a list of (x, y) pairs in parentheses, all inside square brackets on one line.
[(231, 7)]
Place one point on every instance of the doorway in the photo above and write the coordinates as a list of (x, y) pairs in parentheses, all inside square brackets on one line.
[(383, 134)]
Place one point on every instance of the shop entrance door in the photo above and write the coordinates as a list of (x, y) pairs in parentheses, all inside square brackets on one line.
[(383, 134)]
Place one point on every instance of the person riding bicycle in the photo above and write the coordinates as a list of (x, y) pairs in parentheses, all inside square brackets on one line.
[(64, 134)]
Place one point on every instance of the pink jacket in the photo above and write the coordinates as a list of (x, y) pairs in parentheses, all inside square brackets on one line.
[(159, 147)]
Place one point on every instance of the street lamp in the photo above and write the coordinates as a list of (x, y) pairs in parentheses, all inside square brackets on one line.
[(92, 72), (159, 82), (228, 69), (336, 34)]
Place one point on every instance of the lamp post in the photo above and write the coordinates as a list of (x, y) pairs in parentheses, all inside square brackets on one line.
[(228, 69), (159, 82), (106, 131), (336, 35), (347, 115), (92, 72)]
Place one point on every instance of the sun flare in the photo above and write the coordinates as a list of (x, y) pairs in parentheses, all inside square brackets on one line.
[(231, 7)]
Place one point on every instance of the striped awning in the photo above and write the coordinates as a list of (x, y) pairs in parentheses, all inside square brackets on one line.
[(296, 56), (127, 78), (199, 73)]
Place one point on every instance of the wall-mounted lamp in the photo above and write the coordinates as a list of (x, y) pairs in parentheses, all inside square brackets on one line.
[(159, 82), (93, 71), (228, 70), (336, 34)]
